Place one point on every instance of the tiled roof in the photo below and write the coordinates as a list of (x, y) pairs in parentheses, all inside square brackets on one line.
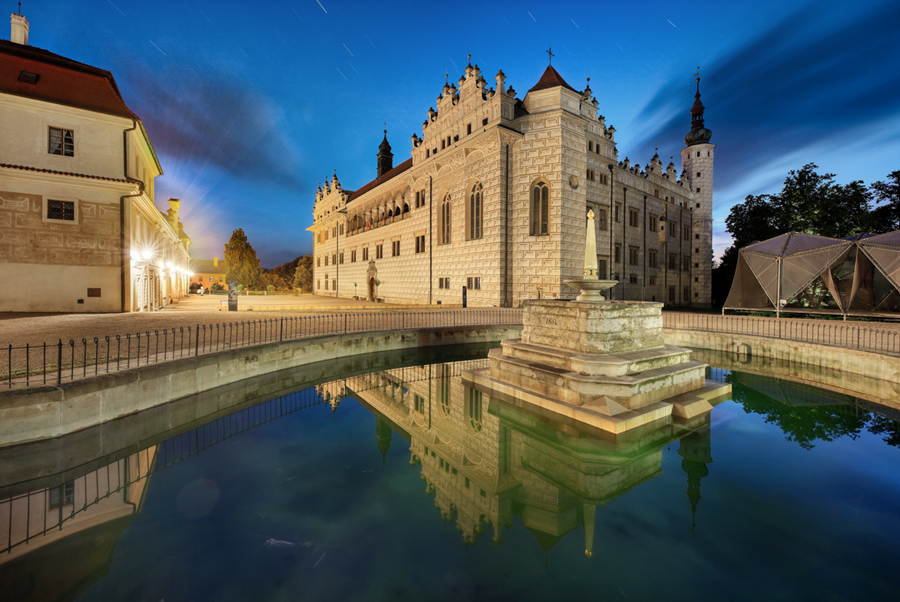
[(60, 80), (62, 173), (551, 79), (378, 181), (205, 266)]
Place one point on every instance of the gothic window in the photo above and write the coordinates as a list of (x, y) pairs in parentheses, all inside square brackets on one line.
[(444, 225), (476, 211), (540, 208)]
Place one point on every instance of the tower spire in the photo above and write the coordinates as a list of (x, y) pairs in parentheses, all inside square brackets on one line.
[(698, 134)]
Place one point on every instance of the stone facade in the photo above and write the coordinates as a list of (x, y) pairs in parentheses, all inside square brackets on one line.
[(483, 156), (79, 230)]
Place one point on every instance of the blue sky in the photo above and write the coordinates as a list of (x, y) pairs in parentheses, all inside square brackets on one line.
[(250, 105)]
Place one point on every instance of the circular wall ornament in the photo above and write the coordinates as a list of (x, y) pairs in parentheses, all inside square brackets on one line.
[(573, 181)]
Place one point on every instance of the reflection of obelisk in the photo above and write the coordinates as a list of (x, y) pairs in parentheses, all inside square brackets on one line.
[(696, 449), (588, 513), (383, 436)]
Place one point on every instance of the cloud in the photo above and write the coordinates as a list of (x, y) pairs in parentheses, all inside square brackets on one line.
[(214, 118), (808, 80)]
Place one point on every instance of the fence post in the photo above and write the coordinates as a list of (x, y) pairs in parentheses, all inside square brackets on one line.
[(197, 341), (281, 331)]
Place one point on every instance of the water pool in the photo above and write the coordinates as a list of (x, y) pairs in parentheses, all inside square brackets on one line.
[(404, 484)]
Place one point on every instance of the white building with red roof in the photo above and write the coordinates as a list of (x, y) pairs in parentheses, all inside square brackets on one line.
[(79, 231), (494, 199)]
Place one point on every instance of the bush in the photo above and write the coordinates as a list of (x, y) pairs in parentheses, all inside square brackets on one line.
[(240, 288)]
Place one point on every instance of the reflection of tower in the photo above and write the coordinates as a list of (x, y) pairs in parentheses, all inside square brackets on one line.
[(383, 436), (696, 449)]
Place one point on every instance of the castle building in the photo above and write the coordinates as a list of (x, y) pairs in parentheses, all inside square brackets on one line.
[(79, 230), (494, 199)]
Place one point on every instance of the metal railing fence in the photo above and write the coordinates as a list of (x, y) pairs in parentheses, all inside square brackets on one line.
[(864, 336), (52, 363)]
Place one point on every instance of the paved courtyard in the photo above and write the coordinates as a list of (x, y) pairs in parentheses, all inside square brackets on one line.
[(17, 329)]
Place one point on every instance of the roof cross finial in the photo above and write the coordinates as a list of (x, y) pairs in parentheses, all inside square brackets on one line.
[(550, 54), (20, 8)]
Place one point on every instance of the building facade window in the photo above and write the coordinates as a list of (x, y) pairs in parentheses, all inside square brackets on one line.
[(673, 261), (540, 209), (395, 248), (341, 257), (353, 256), (444, 226), (686, 263), (474, 409), (379, 251), (420, 243), (476, 211), (473, 282), (673, 229), (61, 210), (420, 198), (64, 495), (651, 223), (61, 142), (632, 279), (633, 218), (651, 258), (686, 232), (600, 218), (366, 254), (633, 255), (618, 256)]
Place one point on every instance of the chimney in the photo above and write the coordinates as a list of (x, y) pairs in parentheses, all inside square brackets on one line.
[(174, 206), (18, 29), (215, 262)]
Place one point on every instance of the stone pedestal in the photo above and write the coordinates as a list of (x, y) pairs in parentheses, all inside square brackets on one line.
[(604, 363)]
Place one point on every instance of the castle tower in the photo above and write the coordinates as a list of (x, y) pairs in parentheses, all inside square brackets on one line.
[(385, 157), (697, 163)]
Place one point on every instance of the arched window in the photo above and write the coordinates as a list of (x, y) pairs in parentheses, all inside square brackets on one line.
[(474, 409), (444, 225), (476, 211), (540, 208)]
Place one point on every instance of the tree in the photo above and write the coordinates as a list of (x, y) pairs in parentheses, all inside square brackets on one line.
[(886, 215), (240, 257), (303, 274), (287, 270)]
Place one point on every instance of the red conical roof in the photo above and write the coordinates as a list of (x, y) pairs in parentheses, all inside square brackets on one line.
[(551, 79)]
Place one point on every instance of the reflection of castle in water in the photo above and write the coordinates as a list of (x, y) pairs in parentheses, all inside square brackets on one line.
[(486, 460)]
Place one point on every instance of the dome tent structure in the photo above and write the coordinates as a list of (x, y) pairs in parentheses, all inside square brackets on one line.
[(804, 273)]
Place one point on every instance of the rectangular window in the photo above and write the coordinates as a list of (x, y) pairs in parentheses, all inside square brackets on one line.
[(604, 179), (686, 234), (618, 255), (651, 223), (671, 294), (420, 244), (326, 260), (632, 279), (601, 268), (474, 282), (633, 255), (616, 216), (62, 210), (419, 402), (590, 145), (93, 292), (334, 259), (395, 248), (652, 280), (633, 217), (601, 218), (656, 192), (341, 257), (366, 254), (342, 228), (468, 129), (379, 251), (673, 261), (420, 198), (484, 121), (673, 229), (590, 175), (651, 258), (686, 263), (353, 256), (64, 495), (62, 142)]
